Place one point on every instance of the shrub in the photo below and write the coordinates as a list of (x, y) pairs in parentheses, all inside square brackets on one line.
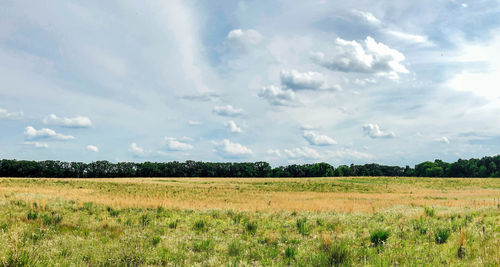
[(251, 227), (302, 226), (429, 211), (379, 237), (442, 235)]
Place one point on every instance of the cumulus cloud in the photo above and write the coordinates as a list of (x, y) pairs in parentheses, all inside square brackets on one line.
[(443, 140), (233, 127), (134, 148), (31, 133), (367, 16), (228, 111), (75, 122), (203, 97), (228, 149), (373, 131), (302, 80), (274, 152), (92, 148), (243, 40), (5, 114), (317, 139), (37, 144), (277, 96), (175, 144), (368, 57), (304, 153)]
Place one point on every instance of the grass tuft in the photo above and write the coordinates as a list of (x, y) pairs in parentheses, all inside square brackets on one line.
[(441, 235), (379, 237)]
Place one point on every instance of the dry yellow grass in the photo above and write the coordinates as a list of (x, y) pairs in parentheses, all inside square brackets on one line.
[(262, 194)]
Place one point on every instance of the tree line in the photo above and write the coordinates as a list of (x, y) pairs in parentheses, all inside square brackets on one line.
[(484, 167)]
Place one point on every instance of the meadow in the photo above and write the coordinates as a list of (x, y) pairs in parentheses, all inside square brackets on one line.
[(250, 222)]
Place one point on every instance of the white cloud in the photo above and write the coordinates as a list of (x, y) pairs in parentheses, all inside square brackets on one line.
[(228, 111), (228, 149), (373, 130), (194, 123), (277, 96), (413, 38), (302, 80), (92, 148), (134, 148), (369, 17), (242, 40), (274, 152), (304, 153), (318, 140), (443, 140), (367, 57), (233, 127), (4, 114), (31, 133), (75, 122), (37, 144), (174, 144), (483, 83)]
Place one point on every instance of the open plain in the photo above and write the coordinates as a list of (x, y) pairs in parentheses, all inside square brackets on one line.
[(254, 221)]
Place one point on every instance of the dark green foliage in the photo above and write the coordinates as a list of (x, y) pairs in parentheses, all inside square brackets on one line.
[(484, 167), (112, 212), (4, 226), (173, 225), (290, 252), (441, 235), (32, 215), (51, 219), (199, 225), (251, 227), (379, 237)]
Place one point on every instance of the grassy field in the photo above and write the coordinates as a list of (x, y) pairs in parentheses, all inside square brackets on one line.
[(225, 221)]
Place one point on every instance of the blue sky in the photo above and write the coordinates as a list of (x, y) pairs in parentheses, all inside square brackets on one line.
[(392, 82)]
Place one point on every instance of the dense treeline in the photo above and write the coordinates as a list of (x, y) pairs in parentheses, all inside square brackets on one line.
[(485, 167)]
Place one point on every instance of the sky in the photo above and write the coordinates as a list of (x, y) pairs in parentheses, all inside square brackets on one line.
[(392, 82)]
